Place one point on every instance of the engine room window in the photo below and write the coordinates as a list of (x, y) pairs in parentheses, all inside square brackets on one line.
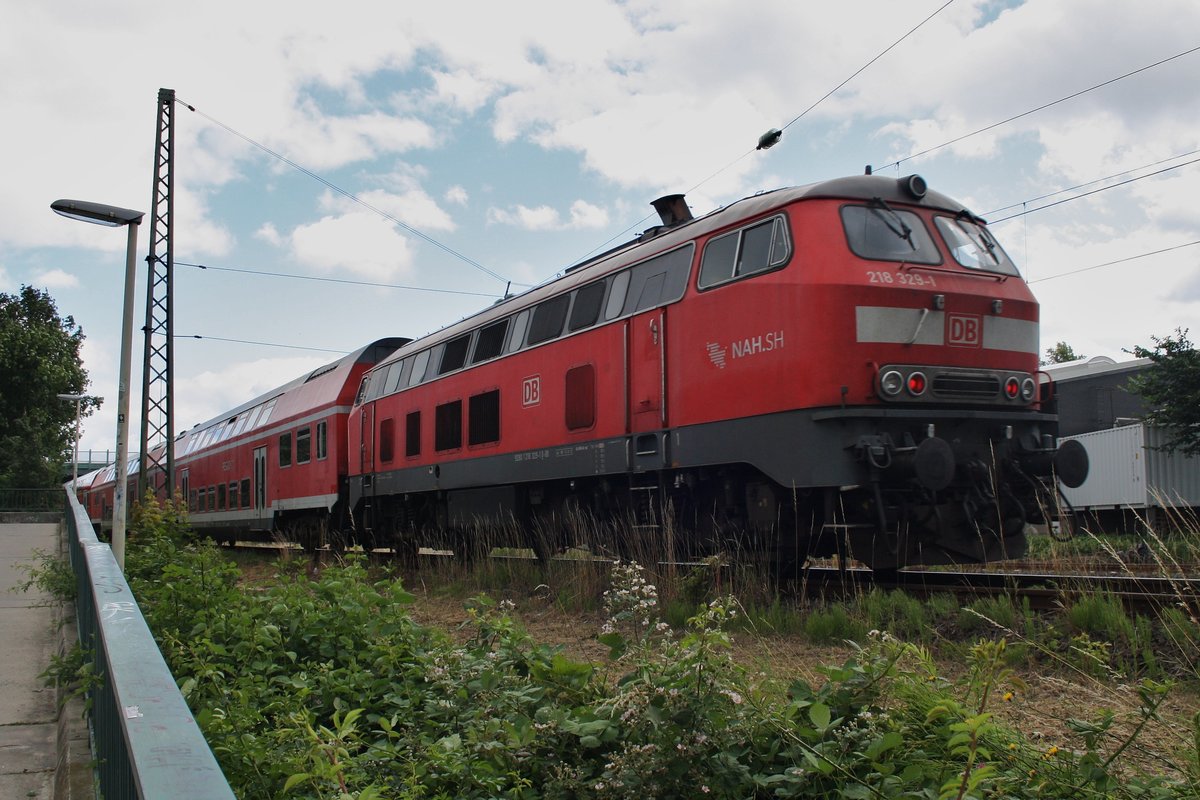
[(520, 324), (412, 434), (586, 310), (974, 247), (882, 233), (387, 440), (447, 426), (491, 341), (659, 280), (454, 356), (418, 371), (483, 418), (304, 445), (285, 449), (581, 397), (616, 297), (548, 319), (755, 249)]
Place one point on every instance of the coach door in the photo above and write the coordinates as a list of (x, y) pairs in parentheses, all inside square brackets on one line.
[(260, 485), (647, 385)]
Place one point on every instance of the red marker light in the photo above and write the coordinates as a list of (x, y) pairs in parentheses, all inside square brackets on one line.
[(1012, 388), (916, 383)]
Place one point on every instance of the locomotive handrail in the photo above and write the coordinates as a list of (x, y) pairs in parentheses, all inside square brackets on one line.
[(147, 743)]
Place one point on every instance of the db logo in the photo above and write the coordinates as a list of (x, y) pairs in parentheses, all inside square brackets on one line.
[(531, 391), (964, 330)]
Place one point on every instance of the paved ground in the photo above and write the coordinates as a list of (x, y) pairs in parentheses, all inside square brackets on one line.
[(32, 741)]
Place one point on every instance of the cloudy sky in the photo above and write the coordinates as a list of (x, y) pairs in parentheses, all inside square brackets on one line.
[(457, 147)]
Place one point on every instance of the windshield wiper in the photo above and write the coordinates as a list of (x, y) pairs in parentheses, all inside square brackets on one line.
[(895, 223)]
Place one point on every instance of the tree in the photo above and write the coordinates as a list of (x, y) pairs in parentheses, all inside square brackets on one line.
[(1061, 353), (1171, 388), (39, 359)]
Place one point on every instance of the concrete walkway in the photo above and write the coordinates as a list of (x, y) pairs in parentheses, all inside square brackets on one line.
[(43, 754)]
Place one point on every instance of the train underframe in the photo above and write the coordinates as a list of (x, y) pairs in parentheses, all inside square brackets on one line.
[(887, 490)]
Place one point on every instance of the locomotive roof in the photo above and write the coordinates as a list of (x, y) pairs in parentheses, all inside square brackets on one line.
[(656, 240)]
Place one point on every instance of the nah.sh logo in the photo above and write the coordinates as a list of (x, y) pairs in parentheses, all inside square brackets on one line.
[(964, 330)]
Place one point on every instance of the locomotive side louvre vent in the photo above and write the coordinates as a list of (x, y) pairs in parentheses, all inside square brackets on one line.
[(966, 385)]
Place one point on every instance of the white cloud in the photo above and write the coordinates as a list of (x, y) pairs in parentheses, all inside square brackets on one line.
[(210, 393), (583, 215), (56, 279), (456, 195), (359, 243), (269, 234)]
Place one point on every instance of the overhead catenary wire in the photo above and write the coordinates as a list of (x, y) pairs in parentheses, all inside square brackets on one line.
[(793, 121), (1042, 107), (348, 195), (259, 344), (1097, 180), (1089, 194), (1116, 261), (323, 279)]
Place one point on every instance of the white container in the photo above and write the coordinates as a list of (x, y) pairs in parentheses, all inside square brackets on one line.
[(1127, 470)]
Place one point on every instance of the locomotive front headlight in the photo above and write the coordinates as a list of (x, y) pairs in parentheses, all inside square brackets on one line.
[(916, 384), (1012, 388), (891, 382), (1028, 389)]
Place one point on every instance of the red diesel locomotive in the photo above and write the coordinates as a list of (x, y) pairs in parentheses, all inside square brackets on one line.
[(849, 366)]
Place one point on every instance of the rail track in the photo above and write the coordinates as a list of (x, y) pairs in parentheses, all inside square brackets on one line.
[(1139, 590)]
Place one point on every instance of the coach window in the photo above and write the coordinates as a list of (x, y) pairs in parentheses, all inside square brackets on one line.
[(483, 420), (266, 412), (285, 449), (212, 498), (220, 497), (412, 434), (233, 495), (418, 370), (548, 318), (447, 426), (304, 445), (245, 493), (490, 342), (193, 500), (387, 440), (586, 310), (519, 326), (202, 499), (322, 440), (882, 233), (581, 397), (616, 297)]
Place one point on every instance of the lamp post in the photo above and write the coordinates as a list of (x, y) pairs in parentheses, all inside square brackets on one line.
[(78, 398), (114, 217)]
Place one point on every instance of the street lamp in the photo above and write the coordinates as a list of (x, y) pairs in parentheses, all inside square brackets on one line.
[(78, 398), (114, 217)]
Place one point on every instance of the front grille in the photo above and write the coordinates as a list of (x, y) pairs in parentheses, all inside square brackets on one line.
[(966, 386)]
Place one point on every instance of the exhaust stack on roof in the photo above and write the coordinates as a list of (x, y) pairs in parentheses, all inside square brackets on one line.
[(672, 210)]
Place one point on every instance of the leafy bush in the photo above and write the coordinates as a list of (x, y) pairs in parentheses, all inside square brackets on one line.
[(324, 687)]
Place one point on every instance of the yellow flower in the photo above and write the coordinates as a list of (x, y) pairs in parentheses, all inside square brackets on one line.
[(1052, 752), (1008, 696)]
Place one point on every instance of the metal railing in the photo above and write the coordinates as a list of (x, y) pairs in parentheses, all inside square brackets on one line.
[(147, 744), (29, 500)]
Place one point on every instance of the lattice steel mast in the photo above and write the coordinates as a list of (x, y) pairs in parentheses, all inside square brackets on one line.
[(158, 405)]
